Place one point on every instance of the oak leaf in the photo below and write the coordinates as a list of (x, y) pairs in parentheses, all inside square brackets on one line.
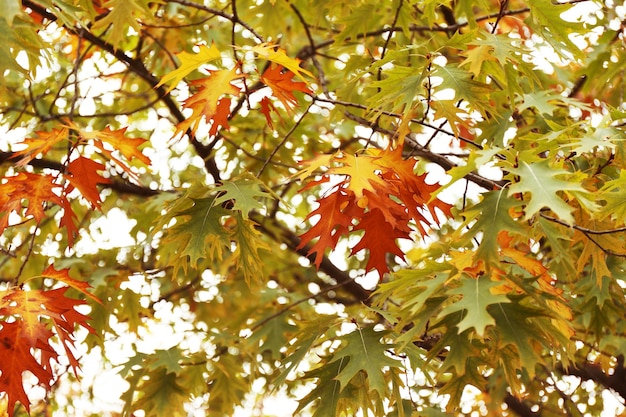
[(188, 63), (277, 55), (208, 101), (37, 189), (27, 319), (82, 173), (282, 85), (379, 239), (40, 144)]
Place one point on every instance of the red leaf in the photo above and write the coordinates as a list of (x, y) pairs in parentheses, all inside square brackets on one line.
[(266, 108), (380, 239), (83, 174), (69, 221), (282, 85), (63, 275), (25, 335), (333, 223), (41, 144), (35, 188)]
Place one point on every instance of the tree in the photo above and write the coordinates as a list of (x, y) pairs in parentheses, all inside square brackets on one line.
[(395, 208)]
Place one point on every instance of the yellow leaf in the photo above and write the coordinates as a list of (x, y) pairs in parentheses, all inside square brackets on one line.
[(278, 55), (188, 63)]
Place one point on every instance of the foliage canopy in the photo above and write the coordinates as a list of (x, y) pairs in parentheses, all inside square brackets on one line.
[(401, 208)]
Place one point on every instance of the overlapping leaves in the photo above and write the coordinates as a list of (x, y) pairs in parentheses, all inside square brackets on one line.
[(376, 192)]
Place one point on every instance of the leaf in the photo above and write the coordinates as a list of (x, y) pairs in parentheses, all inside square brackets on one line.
[(277, 55), (545, 19), (188, 63), (282, 85), (41, 144), (249, 243), (199, 233), (24, 340), (332, 223), (163, 395), (492, 214), (540, 180), (363, 172), (476, 297), (464, 86), (63, 275), (35, 188), (17, 358), (364, 351), (9, 9), (122, 17), (82, 173), (379, 239), (243, 193), (208, 101), (129, 147)]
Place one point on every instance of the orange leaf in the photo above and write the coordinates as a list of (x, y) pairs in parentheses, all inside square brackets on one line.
[(37, 189), (83, 174), (69, 221), (24, 339), (206, 102), (129, 147), (282, 85), (17, 357), (379, 239), (266, 108), (41, 144), (63, 275), (332, 224)]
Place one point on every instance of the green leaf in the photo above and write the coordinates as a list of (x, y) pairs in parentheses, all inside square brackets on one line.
[(244, 192), (199, 233), (365, 352), (545, 19), (476, 297), (9, 9), (464, 86), (540, 179), (124, 14), (614, 195), (163, 395), (492, 216), (248, 244)]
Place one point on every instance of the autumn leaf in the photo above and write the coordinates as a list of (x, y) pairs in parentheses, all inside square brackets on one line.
[(379, 239), (278, 56), (540, 180), (82, 173), (282, 85), (331, 224), (63, 275), (36, 189), (188, 63), (127, 146), (208, 102), (267, 107), (25, 340), (364, 173), (40, 145)]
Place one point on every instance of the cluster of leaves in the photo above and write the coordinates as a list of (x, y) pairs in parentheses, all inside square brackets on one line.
[(473, 151), (380, 194)]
